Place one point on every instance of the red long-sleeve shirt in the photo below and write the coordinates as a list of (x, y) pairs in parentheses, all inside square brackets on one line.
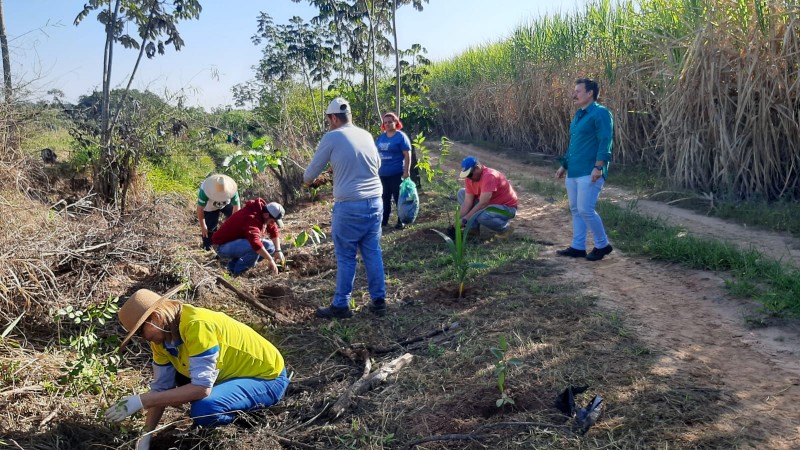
[(247, 223)]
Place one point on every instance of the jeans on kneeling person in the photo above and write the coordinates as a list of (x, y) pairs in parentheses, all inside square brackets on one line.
[(493, 217), (240, 254)]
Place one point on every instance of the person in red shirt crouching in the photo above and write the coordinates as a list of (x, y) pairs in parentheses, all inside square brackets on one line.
[(241, 241), (487, 196)]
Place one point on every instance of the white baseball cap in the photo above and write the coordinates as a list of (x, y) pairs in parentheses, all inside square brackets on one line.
[(338, 106)]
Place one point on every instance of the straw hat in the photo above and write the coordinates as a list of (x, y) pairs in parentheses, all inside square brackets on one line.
[(138, 308), (219, 188)]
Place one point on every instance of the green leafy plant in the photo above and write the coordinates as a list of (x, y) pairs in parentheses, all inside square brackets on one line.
[(95, 362), (243, 165), (457, 248), (424, 157), (444, 152), (501, 370), (315, 235)]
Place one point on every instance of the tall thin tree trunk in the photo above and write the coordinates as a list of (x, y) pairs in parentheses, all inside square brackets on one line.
[(371, 15), (396, 57), (106, 172), (8, 90)]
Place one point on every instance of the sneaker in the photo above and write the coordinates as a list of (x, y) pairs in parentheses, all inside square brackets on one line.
[(572, 252), (598, 253), (506, 234), (378, 307), (334, 312), (400, 226)]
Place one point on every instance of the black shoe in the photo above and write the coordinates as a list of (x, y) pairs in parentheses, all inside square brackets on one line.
[(400, 226), (378, 307), (334, 312), (572, 252), (598, 253)]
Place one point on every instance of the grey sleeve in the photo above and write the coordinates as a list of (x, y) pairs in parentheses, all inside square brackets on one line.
[(320, 159)]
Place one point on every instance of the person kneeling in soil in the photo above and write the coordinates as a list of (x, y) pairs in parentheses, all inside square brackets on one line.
[(488, 196), (218, 194), (239, 240), (202, 357)]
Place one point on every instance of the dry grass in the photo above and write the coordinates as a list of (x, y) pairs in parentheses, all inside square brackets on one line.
[(706, 92), (562, 337)]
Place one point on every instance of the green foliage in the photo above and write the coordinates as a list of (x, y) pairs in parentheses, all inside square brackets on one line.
[(423, 157), (242, 166), (315, 235), (778, 285), (95, 362), (501, 370), (457, 248)]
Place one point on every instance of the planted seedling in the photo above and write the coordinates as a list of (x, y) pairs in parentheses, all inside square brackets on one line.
[(457, 248), (501, 368)]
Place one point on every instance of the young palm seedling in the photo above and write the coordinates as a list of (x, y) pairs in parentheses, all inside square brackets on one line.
[(501, 367), (457, 246)]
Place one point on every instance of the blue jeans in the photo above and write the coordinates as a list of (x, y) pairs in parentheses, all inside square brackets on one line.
[(582, 194), (493, 217), (232, 396), (356, 225), (241, 255)]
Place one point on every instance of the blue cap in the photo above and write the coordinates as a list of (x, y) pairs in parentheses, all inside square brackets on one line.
[(466, 166)]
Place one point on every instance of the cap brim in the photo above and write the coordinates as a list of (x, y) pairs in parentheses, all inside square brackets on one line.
[(465, 173), (280, 223), (147, 313)]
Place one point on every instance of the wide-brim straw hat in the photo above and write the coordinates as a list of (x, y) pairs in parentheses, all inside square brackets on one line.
[(138, 308), (219, 188)]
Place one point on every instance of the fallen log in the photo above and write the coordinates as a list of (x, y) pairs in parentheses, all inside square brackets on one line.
[(280, 318), (368, 382)]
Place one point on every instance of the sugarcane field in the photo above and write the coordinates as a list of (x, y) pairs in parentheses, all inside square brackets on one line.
[(407, 224)]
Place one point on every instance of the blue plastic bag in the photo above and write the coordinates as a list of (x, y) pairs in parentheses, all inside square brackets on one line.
[(408, 203)]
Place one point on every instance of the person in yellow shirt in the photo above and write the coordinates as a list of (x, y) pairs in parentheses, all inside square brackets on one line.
[(203, 357)]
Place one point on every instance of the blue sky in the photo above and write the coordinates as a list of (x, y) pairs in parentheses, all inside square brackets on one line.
[(48, 51)]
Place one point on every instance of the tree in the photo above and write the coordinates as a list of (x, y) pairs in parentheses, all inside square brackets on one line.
[(361, 28), (7, 89), (156, 24)]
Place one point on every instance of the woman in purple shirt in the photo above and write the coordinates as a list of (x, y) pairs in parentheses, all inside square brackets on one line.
[(394, 148)]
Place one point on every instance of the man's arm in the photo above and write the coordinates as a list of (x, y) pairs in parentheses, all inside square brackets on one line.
[(318, 161), (467, 205), (604, 126), (483, 202), (174, 397), (276, 241), (201, 219), (262, 252)]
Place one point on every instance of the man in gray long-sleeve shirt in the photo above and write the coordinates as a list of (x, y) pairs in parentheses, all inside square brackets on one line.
[(357, 209)]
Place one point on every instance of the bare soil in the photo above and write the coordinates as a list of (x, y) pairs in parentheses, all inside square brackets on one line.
[(685, 313)]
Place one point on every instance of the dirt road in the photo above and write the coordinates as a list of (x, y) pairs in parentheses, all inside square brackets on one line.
[(684, 314)]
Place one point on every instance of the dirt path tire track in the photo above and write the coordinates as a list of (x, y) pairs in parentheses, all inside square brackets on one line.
[(684, 314)]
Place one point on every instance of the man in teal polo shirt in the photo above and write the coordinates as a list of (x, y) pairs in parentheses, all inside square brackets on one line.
[(586, 167)]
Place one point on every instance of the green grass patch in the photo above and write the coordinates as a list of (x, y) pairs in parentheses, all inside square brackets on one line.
[(775, 285)]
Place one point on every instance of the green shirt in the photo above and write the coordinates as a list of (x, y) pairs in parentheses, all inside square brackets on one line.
[(591, 135)]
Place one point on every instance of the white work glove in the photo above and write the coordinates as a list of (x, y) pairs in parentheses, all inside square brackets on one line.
[(144, 442), (124, 408)]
